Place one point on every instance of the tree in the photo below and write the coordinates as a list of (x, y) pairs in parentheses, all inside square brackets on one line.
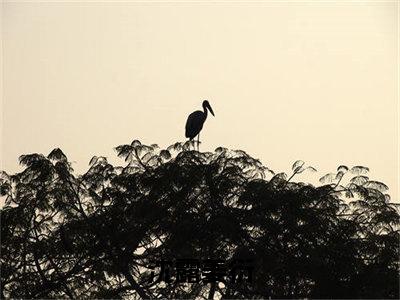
[(96, 235)]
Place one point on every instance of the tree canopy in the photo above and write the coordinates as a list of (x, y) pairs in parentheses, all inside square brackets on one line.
[(95, 235)]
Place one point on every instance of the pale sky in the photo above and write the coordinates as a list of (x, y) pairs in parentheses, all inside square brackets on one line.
[(287, 81)]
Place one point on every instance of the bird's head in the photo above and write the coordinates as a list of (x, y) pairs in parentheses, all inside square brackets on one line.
[(206, 105)]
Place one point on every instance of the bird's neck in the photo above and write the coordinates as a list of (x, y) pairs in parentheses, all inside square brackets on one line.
[(205, 111)]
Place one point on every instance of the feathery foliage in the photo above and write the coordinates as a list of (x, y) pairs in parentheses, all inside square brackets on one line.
[(93, 235)]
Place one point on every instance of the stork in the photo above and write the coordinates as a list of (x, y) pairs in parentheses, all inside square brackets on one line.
[(195, 122)]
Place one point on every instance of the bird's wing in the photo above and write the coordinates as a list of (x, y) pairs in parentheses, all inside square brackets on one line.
[(194, 124)]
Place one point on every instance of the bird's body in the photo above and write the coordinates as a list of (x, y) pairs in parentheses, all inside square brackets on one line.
[(194, 124), (195, 121)]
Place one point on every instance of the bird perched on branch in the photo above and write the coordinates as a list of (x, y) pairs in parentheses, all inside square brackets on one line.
[(195, 122)]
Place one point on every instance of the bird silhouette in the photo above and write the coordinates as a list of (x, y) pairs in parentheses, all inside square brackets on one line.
[(195, 122)]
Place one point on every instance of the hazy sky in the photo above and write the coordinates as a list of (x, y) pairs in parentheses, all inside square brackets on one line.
[(287, 81)]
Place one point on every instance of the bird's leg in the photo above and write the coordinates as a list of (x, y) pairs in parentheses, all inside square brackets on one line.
[(198, 142)]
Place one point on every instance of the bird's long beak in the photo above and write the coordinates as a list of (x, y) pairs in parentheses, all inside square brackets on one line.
[(210, 109)]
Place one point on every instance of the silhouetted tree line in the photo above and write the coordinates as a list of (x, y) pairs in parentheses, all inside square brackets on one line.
[(94, 235)]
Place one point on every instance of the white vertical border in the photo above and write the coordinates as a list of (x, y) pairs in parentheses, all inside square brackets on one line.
[(1, 84), (398, 102)]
